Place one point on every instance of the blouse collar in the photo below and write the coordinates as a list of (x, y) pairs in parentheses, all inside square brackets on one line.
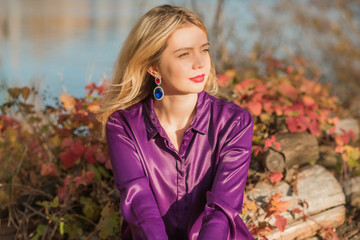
[(200, 122)]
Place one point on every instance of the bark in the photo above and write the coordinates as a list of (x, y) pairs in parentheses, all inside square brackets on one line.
[(296, 149)]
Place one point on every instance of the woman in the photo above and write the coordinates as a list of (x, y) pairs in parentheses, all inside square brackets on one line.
[(179, 155)]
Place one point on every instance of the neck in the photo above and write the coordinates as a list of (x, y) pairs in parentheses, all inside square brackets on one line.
[(176, 111)]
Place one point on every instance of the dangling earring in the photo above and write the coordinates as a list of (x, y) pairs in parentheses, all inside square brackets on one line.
[(158, 91)]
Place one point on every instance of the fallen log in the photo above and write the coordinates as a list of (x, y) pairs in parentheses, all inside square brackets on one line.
[(296, 149), (316, 187), (331, 218), (352, 191)]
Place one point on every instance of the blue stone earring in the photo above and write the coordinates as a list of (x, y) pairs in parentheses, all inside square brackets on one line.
[(158, 91)]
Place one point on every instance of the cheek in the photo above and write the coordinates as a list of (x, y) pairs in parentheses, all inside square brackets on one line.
[(177, 69)]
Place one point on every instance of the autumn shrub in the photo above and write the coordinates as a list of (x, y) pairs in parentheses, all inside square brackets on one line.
[(55, 175), (282, 97)]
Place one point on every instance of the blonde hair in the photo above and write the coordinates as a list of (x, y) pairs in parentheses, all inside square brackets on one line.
[(142, 49)]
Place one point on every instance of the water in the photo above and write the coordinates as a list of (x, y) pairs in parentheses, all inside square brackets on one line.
[(62, 45)]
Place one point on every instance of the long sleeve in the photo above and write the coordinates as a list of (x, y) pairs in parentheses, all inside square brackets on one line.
[(138, 205), (221, 218)]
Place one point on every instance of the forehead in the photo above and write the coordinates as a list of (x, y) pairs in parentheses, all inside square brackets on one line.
[(187, 36)]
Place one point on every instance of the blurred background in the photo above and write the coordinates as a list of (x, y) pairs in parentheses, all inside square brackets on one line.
[(62, 45), (275, 58)]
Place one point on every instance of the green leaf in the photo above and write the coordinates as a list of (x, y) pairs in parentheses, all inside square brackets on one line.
[(109, 222), (55, 202), (104, 172), (61, 226), (90, 208), (39, 231), (72, 227)]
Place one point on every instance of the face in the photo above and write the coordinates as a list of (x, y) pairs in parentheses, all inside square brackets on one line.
[(185, 63)]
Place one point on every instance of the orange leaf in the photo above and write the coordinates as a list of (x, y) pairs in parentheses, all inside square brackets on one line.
[(308, 101), (94, 108), (68, 102), (283, 206)]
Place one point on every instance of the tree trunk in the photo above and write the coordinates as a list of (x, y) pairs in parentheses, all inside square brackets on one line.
[(296, 149)]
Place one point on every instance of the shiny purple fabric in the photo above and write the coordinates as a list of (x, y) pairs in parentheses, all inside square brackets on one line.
[(196, 193)]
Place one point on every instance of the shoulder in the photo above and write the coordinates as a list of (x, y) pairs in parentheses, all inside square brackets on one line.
[(123, 117), (224, 111)]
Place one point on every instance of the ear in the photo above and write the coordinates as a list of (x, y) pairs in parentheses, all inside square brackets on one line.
[(153, 71)]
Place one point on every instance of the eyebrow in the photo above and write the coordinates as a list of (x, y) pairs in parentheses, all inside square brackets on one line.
[(190, 48)]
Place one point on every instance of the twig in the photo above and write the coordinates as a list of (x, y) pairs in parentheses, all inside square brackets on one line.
[(29, 188), (351, 234), (34, 210)]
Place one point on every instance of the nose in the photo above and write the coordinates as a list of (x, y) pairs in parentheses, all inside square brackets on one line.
[(199, 61)]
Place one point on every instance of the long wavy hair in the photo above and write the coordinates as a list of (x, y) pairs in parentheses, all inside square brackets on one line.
[(142, 49)]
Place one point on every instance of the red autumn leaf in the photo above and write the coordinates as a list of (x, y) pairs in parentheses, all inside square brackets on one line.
[(288, 91), (108, 164), (297, 123), (223, 80), (61, 193), (100, 157), (77, 148), (268, 143), (257, 97), (67, 142), (255, 108), (91, 88), (89, 157), (339, 149), (331, 232), (275, 176), (314, 127), (239, 88), (294, 110), (311, 114), (67, 159), (260, 87), (351, 134), (89, 154), (277, 145), (280, 222), (296, 210), (256, 150), (85, 178), (250, 83)]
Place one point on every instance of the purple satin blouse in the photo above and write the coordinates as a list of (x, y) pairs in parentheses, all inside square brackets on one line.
[(194, 193)]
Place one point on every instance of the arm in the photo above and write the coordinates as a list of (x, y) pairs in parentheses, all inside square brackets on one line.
[(224, 202), (137, 202)]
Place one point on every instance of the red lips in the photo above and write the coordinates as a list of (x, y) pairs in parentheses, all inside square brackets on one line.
[(198, 79)]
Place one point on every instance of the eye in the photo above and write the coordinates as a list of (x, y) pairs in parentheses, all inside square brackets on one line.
[(183, 54), (206, 50)]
